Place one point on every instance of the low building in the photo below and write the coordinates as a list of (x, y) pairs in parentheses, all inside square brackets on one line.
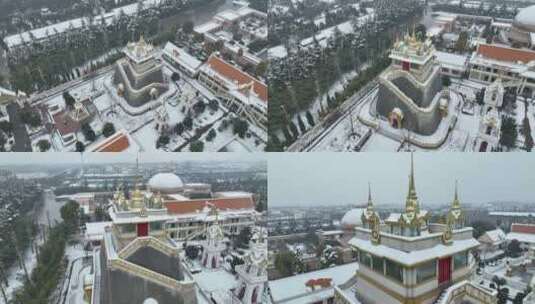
[(524, 233), (67, 123), (492, 244), (241, 92), (516, 67), (311, 287), (181, 60), (452, 65), (118, 142)]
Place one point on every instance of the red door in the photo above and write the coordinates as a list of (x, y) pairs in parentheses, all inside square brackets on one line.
[(406, 66), (444, 270), (143, 229)]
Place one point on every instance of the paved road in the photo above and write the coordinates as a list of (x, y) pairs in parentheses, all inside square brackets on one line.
[(22, 140)]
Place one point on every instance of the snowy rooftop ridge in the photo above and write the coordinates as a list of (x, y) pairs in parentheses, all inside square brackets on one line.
[(181, 56)]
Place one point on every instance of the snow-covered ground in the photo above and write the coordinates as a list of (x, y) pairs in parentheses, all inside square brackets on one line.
[(140, 124)]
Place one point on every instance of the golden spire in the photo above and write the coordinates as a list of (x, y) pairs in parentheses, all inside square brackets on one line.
[(411, 204)]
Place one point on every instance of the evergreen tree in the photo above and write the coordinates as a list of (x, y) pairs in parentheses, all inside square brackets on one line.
[(310, 119), (301, 124)]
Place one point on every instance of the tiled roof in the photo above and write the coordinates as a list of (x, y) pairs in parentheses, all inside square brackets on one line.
[(118, 142), (191, 206), (236, 75), (523, 228), (507, 54)]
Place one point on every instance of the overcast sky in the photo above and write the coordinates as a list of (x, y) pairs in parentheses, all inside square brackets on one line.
[(342, 178), (63, 158)]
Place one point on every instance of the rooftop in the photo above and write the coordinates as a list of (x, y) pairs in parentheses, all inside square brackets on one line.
[(118, 142), (238, 77), (506, 54), (294, 289)]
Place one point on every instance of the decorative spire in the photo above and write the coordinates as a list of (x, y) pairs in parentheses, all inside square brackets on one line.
[(455, 216), (411, 204), (370, 203), (456, 204)]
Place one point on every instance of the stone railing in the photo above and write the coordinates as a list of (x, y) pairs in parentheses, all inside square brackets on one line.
[(341, 298), (146, 241), (466, 289)]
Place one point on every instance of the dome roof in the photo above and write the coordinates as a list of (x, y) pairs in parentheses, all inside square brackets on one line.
[(525, 19), (352, 218), (166, 183)]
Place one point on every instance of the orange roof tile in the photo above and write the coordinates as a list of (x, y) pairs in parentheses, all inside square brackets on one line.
[(118, 142), (191, 206), (229, 71), (507, 54), (523, 228)]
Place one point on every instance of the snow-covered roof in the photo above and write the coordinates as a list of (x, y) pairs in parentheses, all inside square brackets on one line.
[(182, 57), (232, 194), (416, 256), (495, 236), (294, 290), (277, 52), (243, 86), (508, 213), (452, 61), (215, 280), (521, 237), (207, 27), (95, 231)]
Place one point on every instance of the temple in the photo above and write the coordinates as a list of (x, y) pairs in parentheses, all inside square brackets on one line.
[(409, 89), (139, 76), (406, 259), (168, 242)]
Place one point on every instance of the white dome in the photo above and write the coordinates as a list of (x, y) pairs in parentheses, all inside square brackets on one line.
[(150, 301), (166, 183), (352, 218), (525, 19)]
